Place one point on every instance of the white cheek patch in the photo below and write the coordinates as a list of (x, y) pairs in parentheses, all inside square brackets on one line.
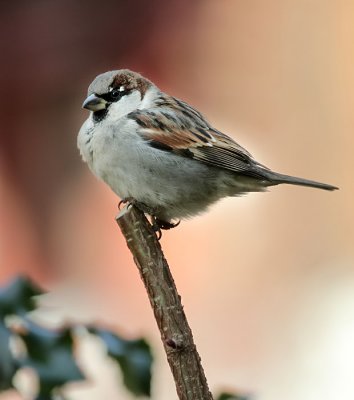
[(124, 106)]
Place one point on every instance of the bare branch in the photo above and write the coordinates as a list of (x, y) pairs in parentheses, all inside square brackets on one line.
[(165, 301)]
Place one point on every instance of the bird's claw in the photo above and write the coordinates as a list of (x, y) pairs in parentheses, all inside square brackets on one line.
[(166, 225), (128, 200), (157, 224)]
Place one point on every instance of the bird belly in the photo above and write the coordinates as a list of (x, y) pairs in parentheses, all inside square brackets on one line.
[(172, 186)]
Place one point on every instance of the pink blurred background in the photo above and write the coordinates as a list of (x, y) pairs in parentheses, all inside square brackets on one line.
[(267, 280)]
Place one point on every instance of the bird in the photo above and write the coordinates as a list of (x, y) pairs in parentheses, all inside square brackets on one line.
[(161, 154)]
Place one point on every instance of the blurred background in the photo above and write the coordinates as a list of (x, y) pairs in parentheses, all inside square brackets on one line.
[(267, 280)]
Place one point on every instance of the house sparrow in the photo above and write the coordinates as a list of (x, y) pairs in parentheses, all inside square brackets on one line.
[(161, 154)]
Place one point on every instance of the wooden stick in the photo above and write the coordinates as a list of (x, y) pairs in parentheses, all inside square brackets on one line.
[(165, 301)]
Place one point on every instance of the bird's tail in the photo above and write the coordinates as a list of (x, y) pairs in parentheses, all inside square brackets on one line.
[(276, 179)]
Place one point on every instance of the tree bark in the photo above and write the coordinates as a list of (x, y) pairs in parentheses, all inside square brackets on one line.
[(165, 301)]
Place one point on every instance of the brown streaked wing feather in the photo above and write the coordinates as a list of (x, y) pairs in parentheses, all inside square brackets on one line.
[(226, 153), (162, 127), (190, 135)]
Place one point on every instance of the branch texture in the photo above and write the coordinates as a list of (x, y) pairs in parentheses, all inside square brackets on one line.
[(176, 334)]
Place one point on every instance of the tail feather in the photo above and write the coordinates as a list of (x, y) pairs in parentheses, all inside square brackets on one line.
[(276, 179)]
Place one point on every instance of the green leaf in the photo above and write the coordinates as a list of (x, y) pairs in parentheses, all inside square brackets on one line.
[(17, 297), (7, 365), (134, 358), (50, 354), (231, 396)]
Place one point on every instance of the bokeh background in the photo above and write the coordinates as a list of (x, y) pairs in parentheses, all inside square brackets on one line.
[(267, 280)]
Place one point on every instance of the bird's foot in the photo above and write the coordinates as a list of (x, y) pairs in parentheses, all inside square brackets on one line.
[(123, 202), (166, 225), (158, 225), (130, 201)]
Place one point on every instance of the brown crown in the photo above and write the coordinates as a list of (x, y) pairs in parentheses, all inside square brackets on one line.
[(131, 80)]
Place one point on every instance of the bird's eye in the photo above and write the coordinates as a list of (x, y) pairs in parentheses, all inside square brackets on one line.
[(115, 94)]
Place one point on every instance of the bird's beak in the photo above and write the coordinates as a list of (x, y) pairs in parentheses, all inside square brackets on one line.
[(94, 103)]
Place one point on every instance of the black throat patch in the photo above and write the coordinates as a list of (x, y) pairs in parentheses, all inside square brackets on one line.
[(99, 115)]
